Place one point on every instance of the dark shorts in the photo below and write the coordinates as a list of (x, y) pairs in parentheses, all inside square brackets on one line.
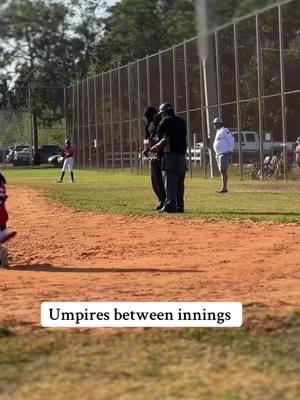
[(223, 161)]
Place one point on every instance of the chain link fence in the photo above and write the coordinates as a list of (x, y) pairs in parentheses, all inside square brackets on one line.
[(254, 84)]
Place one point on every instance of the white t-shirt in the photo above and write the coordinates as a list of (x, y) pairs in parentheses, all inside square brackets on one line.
[(224, 141)]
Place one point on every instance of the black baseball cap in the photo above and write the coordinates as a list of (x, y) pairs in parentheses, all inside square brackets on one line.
[(165, 107)]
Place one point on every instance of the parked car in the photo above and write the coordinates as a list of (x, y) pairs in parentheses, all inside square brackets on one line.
[(44, 152), (250, 142), (13, 151), (10, 156), (250, 146), (22, 157)]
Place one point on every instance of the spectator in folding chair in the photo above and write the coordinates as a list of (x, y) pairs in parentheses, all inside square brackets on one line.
[(280, 170)]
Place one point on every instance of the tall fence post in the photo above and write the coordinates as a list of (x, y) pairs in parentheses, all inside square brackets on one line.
[(282, 91), (259, 92), (187, 106), (160, 77), (83, 126), (174, 79), (73, 114), (148, 81), (203, 119), (130, 117), (120, 117), (89, 122), (111, 123), (96, 123), (78, 127), (139, 110), (65, 111), (237, 89), (218, 78), (104, 126)]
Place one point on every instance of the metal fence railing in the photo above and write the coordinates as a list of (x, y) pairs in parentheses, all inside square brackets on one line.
[(254, 74)]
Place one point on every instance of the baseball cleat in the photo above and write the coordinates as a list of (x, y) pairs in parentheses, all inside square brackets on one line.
[(168, 210), (6, 235)]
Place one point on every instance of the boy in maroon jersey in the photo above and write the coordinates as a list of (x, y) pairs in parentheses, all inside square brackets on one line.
[(67, 155)]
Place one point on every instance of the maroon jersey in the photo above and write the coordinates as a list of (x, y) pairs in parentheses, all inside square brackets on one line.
[(3, 212), (3, 196), (68, 152)]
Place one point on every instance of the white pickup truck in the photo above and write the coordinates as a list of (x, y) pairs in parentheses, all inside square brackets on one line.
[(250, 147), (250, 142)]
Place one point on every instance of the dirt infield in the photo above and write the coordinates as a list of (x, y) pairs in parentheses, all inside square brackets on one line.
[(60, 254)]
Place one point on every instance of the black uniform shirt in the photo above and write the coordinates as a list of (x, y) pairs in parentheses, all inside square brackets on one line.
[(174, 128), (150, 132)]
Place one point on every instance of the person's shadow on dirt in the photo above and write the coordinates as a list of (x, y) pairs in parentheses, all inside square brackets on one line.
[(52, 268)]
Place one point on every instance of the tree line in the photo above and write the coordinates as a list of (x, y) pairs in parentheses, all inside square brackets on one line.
[(48, 44)]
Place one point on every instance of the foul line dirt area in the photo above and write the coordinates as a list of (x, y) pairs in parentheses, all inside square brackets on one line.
[(64, 255)]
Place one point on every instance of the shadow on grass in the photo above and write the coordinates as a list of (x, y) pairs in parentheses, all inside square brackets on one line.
[(52, 268), (252, 213)]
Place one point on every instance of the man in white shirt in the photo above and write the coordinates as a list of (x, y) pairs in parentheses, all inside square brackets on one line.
[(223, 147)]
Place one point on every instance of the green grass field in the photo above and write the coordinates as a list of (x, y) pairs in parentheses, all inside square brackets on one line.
[(259, 361), (127, 193), (213, 364)]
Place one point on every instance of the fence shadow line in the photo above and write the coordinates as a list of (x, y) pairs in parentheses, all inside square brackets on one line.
[(52, 268)]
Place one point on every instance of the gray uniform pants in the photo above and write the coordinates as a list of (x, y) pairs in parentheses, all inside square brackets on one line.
[(174, 169), (157, 180)]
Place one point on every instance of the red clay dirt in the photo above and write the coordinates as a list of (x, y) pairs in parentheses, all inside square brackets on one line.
[(63, 255)]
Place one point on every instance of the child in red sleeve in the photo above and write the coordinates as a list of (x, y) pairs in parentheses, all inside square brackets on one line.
[(67, 155), (5, 234)]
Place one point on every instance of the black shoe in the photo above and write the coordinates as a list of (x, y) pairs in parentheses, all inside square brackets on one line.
[(180, 210), (222, 191), (168, 210), (159, 207)]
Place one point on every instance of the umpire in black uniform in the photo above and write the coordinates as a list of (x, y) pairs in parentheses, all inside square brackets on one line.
[(151, 138), (172, 132)]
